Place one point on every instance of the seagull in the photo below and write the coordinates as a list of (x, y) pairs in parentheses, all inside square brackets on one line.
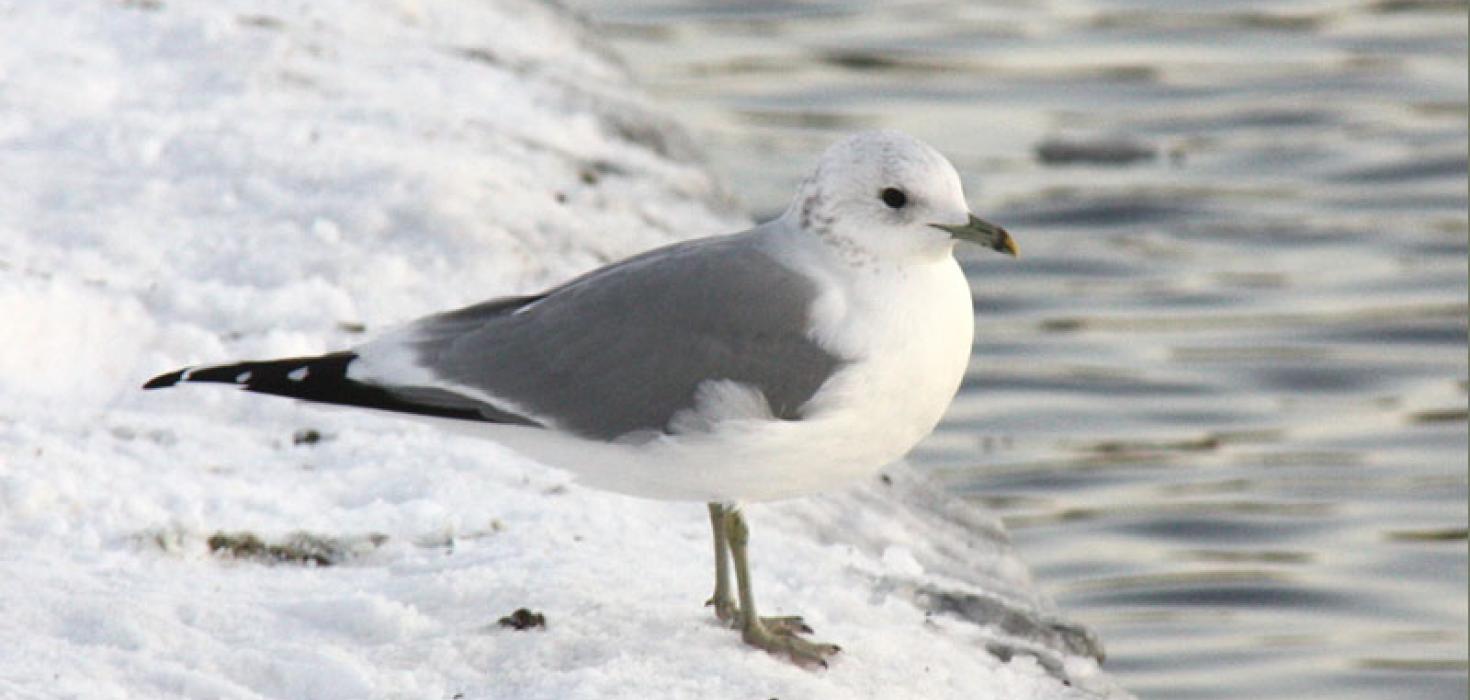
[(796, 357)]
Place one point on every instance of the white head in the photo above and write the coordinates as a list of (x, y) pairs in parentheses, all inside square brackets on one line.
[(885, 194)]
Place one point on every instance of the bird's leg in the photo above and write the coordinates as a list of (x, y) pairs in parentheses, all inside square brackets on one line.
[(776, 635), (723, 603)]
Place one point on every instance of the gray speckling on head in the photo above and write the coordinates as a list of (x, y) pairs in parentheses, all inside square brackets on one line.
[(810, 205), (843, 195), (580, 357)]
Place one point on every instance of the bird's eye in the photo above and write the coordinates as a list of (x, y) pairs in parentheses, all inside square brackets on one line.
[(894, 197)]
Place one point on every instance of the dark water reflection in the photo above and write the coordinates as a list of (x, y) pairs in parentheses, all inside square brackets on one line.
[(1221, 399)]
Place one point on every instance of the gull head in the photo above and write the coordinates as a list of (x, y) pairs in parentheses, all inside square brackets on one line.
[(886, 194)]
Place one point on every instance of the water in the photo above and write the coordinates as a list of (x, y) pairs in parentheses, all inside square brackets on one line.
[(1221, 399)]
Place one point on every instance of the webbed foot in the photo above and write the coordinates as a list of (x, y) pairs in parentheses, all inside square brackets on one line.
[(781, 638)]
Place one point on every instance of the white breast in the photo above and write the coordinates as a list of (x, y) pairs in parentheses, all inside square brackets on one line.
[(910, 330)]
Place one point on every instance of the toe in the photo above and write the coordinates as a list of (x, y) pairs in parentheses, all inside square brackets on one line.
[(787, 625), (725, 610), (812, 652)]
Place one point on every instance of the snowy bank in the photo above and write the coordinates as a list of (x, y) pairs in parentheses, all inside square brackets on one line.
[(187, 183)]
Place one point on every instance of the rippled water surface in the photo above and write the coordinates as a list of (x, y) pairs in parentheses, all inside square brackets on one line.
[(1221, 400)]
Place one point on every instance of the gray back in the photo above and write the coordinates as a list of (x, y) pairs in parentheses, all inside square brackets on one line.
[(623, 348)]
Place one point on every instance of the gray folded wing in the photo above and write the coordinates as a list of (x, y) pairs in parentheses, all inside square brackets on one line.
[(623, 349)]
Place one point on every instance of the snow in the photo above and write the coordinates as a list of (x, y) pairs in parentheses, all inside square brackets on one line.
[(194, 182)]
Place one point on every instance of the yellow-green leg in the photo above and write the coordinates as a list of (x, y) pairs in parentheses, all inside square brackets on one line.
[(726, 609), (777, 635), (724, 604)]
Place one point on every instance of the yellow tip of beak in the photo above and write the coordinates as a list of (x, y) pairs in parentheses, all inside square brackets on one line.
[(1007, 245)]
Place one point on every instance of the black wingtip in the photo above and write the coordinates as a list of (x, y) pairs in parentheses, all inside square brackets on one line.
[(324, 379), (164, 381)]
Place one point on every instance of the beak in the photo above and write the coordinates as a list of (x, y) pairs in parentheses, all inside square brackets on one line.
[(978, 230)]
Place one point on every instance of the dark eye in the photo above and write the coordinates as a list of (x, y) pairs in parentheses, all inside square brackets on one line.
[(894, 197)]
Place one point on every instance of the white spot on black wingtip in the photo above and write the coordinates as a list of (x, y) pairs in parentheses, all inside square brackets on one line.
[(242, 377), (298, 374)]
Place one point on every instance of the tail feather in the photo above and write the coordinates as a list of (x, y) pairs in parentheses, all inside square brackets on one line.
[(324, 379)]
